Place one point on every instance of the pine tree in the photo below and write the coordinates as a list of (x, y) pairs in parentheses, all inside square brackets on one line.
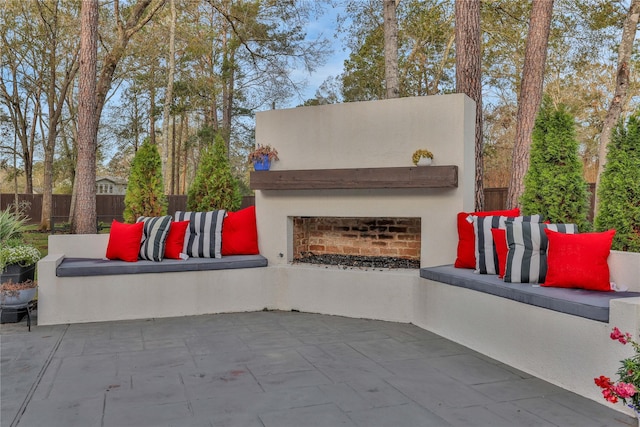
[(619, 190), (554, 184), (145, 190), (214, 186)]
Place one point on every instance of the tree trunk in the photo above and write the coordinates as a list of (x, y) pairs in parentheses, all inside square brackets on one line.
[(152, 104), (55, 102), (468, 77), (29, 148), (47, 184), (622, 85), (186, 158), (391, 49), (179, 148), (172, 187), (535, 57), (85, 211), (169, 94), (94, 94)]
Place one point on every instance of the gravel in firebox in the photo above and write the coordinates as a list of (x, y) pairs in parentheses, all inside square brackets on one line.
[(358, 261)]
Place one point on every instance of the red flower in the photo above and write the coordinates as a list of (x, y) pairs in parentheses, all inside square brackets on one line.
[(610, 396), (617, 335), (603, 382), (624, 390)]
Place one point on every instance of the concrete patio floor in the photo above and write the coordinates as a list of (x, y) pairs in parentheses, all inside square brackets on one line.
[(269, 369)]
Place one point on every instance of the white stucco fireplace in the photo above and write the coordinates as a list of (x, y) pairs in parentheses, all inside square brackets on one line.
[(353, 160)]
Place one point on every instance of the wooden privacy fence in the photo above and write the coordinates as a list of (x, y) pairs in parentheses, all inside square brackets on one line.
[(496, 198), (108, 207)]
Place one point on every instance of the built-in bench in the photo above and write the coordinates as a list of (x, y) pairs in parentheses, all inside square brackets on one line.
[(76, 284), (559, 335), (74, 267), (578, 302)]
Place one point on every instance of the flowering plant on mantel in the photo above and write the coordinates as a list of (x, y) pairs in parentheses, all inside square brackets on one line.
[(627, 388)]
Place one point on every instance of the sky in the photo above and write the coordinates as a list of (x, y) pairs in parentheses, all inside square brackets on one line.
[(325, 26)]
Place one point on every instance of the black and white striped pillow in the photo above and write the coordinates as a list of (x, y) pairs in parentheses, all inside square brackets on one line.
[(486, 256), (527, 256), (204, 235), (154, 236)]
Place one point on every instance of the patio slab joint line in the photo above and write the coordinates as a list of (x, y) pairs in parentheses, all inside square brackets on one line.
[(32, 389)]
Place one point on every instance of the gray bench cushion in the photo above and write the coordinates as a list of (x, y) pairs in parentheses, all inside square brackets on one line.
[(70, 267), (578, 302)]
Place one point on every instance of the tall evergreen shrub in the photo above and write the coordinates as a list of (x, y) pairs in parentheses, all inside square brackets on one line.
[(145, 190), (214, 186), (619, 189), (554, 184)]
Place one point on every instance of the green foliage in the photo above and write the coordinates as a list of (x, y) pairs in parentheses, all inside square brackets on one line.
[(13, 249), (619, 190), (214, 186), (425, 53), (17, 253), (12, 223), (145, 190), (554, 185)]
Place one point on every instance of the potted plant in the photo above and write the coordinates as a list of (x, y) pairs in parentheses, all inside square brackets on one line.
[(17, 259), (262, 157), (627, 388), (17, 294), (15, 299), (422, 157)]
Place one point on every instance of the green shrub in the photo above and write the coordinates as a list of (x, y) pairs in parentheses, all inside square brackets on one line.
[(554, 183), (145, 190), (214, 186), (619, 189)]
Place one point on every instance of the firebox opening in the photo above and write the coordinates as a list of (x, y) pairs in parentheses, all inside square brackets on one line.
[(357, 242)]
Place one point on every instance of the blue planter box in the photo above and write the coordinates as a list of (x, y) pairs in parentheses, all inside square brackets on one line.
[(263, 165)]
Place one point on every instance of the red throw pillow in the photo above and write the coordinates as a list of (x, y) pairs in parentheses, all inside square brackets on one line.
[(175, 239), (466, 257), (502, 249), (240, 233), (124, 241), (578, 260)]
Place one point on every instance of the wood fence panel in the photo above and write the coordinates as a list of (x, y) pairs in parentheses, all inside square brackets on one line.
[(110, 206), (495, 199), (176, 203), (61, 207), (32, 205)]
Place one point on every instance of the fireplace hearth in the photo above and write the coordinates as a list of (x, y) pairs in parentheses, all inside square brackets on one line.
[(369, 242), (358, 261)]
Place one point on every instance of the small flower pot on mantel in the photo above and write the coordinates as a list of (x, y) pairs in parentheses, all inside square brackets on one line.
[(263, 164), (422, 157), (262, 156)]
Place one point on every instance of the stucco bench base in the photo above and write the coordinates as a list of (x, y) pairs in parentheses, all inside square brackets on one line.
[(559, 335), (578, 302), (76, 290)]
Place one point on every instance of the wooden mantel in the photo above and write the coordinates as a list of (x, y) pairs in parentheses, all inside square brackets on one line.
[(361, 178)]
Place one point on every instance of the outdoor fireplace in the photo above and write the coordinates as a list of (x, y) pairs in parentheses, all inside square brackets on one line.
[(378, 242)]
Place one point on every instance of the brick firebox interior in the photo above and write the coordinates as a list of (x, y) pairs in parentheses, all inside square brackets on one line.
[(385, 237)]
